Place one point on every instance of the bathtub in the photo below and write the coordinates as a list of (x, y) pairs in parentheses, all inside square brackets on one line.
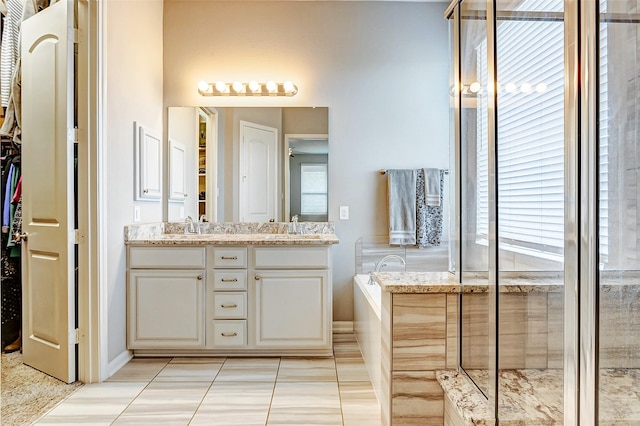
[(366, 324)]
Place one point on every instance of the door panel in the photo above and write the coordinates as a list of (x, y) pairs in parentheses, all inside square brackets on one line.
[(258, 172), (48, 191)]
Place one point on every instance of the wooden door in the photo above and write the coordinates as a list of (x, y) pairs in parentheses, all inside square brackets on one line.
[(48, 254), (258, 172)]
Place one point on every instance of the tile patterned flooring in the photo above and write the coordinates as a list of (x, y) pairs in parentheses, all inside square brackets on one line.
[(230, 391)]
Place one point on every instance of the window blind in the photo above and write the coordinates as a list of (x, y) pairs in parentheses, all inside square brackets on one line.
[(313, 192)]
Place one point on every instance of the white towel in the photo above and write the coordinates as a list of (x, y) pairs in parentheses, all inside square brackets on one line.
[(432, 187), (402, 206)]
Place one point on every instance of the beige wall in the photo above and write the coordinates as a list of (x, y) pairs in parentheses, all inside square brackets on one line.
[(133, 76), (380, 67)]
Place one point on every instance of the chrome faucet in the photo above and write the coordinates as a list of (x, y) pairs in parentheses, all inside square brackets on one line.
[(294, 224), (190, 227), (380, 264), (203, 218)]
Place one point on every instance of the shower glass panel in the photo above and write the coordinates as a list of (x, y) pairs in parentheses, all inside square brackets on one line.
[(476, 337), (530, 166), (619, 212)]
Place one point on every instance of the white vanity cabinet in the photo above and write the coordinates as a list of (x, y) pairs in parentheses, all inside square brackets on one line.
[(221, 299), (227, 302), (165, 297), (292, 297)]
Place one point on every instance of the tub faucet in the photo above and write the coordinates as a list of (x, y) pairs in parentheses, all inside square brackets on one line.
[(380, 264), (190, 226)]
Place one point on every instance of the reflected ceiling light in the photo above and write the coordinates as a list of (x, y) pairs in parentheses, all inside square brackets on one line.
[(474, 87), (541, 87), (253, 88), (510, 88), (525, 88)]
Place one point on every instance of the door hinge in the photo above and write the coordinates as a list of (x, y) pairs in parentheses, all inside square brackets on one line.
[(76, 35), (72, 135), (77, 336), (78, 237)]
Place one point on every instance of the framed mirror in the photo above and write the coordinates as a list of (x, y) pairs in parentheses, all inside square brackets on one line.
[(252, 164)]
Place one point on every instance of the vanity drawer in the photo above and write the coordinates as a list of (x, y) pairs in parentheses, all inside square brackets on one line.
[(167, 257), (292, 257), (227, 333), (229, 257), (229, 280), (230, 305)]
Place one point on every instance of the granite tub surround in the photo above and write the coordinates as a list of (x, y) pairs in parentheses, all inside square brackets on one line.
[(418, 336), (231, 233)]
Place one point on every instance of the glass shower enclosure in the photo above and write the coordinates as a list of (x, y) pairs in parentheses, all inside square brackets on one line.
[(545, 116)]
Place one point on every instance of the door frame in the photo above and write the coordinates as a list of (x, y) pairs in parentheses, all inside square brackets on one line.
[(92, 360)]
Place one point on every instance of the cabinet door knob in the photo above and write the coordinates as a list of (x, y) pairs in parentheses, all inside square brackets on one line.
[(146, 191), (199, 277), (229, 306), (229, 334), (257, 277)]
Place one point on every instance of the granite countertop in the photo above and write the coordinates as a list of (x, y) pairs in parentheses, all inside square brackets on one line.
[(445, 282), (233, 233), (417, 282)]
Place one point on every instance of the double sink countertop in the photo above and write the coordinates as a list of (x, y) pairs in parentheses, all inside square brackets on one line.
[(231, 233)]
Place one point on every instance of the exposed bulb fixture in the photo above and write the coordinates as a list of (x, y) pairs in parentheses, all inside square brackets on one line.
[(221, 86), (252, 88), (474, 87), (525, 88), (510, 88), (203, 86), (541, 87), (272, 87)]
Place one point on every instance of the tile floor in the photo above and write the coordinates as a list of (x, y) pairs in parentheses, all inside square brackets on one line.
[(230, 391)]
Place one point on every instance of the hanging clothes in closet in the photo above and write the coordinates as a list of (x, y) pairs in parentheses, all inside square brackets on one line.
[(11, 274)]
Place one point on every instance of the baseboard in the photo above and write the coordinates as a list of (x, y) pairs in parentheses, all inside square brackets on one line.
[(343, 326), (119, 362)]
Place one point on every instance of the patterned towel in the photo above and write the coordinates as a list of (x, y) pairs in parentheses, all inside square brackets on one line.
[(428, 217)]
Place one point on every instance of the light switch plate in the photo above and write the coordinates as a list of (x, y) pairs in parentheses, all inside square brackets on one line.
[(344, 212), (136, 213)]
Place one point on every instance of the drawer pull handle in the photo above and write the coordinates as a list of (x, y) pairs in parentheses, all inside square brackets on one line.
[(229, 306), (229, 257), (229, 334), (199, 277), (226, 280)]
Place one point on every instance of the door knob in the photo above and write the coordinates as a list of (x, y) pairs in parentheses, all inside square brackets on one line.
[(20, 237)]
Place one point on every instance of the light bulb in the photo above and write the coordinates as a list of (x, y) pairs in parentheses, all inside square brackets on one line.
[(203, 86), (541, 87), (238, 87), (221, 86), (525, 88), (254, 86), (288, 86), (510, 88), (272, 87), (474, 87)]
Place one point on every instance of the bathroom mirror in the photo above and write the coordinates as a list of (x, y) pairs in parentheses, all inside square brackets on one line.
[(251, 164)]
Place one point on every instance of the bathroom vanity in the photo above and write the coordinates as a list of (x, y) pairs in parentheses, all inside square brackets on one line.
[(249, 290)]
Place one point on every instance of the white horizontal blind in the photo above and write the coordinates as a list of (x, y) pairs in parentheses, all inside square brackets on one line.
[(604, 139), (313, 192), (530, 132)]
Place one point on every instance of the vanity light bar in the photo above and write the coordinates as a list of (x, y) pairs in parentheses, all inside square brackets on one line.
[(252, 88)]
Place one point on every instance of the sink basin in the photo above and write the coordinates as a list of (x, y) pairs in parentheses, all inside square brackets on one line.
[(293, 237)]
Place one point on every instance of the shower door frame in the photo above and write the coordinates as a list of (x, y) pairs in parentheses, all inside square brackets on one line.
[(581, 249)]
